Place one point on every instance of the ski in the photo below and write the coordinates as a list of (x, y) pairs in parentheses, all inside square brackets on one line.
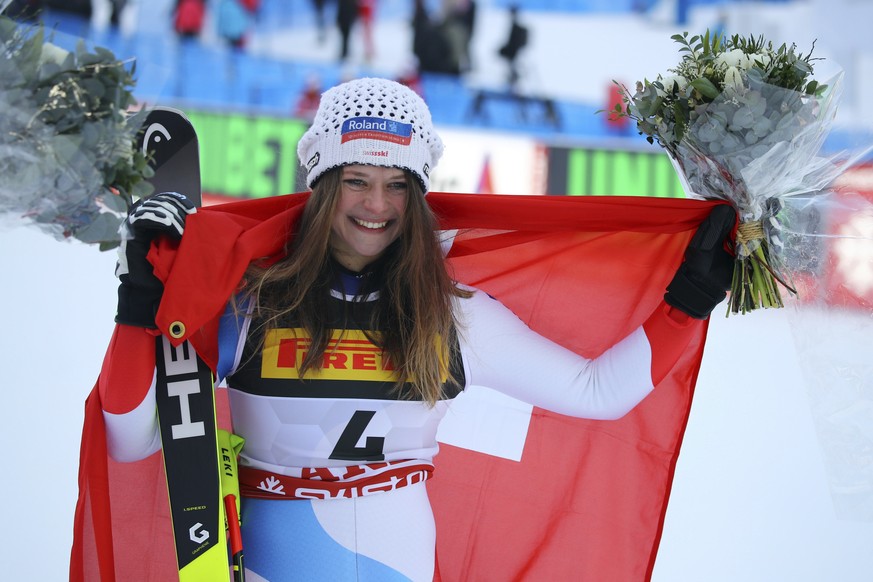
[(193, 457)]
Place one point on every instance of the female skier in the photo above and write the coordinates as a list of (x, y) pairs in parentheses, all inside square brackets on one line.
[(342, 357)]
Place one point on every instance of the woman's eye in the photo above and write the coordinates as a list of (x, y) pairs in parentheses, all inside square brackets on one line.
[(354, 183), (397, 186)]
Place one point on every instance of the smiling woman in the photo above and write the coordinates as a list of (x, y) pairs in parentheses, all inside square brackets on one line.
[(343, 352)]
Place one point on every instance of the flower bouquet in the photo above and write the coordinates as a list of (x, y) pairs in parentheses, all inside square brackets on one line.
[(68, 152), (743, 122)]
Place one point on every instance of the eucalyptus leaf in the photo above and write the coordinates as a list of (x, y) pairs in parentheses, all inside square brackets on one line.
[(730, 142), (103, 228), (743, 118), (706, 87), (94, 88)]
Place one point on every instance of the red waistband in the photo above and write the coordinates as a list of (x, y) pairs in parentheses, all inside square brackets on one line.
[(334, 483)]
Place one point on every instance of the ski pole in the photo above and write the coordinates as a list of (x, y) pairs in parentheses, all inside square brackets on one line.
[(236, 548), (229, 446)]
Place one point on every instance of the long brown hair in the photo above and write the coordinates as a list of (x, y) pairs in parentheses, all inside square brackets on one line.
[(413, 315)]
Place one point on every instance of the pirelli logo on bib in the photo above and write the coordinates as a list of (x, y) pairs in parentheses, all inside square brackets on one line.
[(349, 356)]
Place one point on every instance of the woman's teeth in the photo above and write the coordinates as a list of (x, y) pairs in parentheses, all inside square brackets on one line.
[(373, 225)]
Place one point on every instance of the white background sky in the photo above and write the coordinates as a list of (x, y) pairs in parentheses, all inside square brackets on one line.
[(751, 498)]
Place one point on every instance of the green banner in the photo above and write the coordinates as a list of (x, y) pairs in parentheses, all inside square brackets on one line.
[(595, 172), (247, 157)]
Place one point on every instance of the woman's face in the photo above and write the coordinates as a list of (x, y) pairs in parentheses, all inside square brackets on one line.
[(368, 214)]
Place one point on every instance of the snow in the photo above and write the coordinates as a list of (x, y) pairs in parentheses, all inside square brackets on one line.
[(751, 497), (60, 302)]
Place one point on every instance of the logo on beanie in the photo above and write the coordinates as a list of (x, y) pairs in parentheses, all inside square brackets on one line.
[(313, 161), (376, 128)]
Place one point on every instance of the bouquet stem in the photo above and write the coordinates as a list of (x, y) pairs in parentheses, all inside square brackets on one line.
[(754, 284)]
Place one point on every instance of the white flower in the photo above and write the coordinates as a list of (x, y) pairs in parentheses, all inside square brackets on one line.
[(733, 79), (668, 82), (52, 54), (763, 58), (732, 58)]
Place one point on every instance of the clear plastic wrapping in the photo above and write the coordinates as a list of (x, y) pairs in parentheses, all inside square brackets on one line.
[(829, 249)]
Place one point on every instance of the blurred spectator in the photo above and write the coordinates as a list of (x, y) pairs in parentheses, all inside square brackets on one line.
[(116, 7), (188, 18), (515, 42), (346, 15), (367, 14), (233, 22), (106, 12), (318, 7), (458, 22), (307, 103), (429, 43), (119, 14), (420, 22)]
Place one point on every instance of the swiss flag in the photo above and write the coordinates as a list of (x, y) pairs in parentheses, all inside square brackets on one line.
[(519, 493)]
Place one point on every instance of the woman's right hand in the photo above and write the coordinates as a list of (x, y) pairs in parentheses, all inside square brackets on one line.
[(139, 293)]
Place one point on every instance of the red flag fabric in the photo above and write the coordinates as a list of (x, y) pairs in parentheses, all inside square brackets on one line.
[(583, 500)]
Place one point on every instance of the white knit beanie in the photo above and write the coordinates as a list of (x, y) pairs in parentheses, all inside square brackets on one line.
[(374, 122)]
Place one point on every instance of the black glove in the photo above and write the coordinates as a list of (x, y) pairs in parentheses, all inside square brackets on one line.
[(706, 274), (139, 293)]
